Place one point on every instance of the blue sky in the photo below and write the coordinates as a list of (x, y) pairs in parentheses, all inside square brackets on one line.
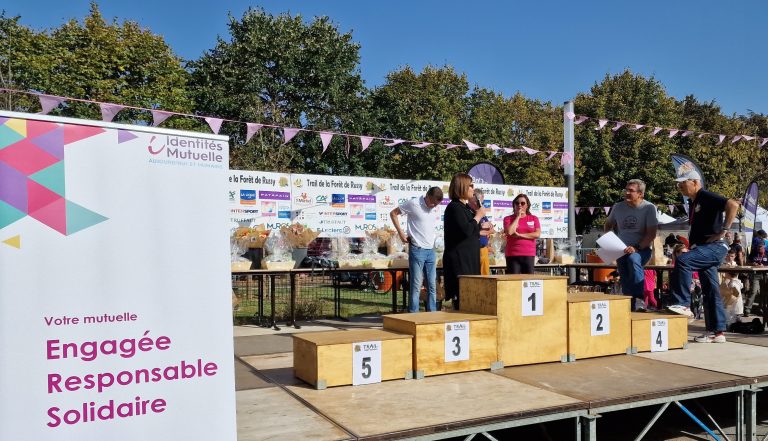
[(547, 50)]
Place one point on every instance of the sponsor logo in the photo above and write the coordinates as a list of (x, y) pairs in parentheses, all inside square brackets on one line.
[(275, 195), (245, 211), (338, 201), (276, 225), (370, 215), (365, 227), (232, 196), (268, 208), (546, 207), (302, 199), (321, 199), (248, 197), (387, 201), (332, 221), (168, 149)]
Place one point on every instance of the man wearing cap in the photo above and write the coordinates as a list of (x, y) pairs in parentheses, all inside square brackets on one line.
[(422, 226), (634, 221), (707, 250)]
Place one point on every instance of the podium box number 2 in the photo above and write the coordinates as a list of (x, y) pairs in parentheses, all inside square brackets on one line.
[(598, 325), (447, 342), (363, 356), (531, 311)]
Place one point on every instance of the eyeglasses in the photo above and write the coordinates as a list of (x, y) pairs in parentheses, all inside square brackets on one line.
[(523, 203), (631, 190)]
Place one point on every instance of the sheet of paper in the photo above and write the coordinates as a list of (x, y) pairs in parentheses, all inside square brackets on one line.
[(611, 247)]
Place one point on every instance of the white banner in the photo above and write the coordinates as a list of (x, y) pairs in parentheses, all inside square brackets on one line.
[(115, 314), (257, 198)]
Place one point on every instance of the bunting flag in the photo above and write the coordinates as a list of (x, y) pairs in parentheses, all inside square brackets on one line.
[(451, 146), (637, 126), (421, 145), (251, 129), (580, 119), (551, 155), (671, 209), (720, 139), (566, 158), (530, 151), (687, 133), (673, 132), (591, 210), (656, 130), (617, 126), (509, 150), (601, 123), (289, 133), (325, 138), (214, 123), (470, 145), (158, 116), (394, 142), (701, 135), (576, 210), (606, 209), (365, 141), (747, 138), (493, 147), (735, 139), (108, 111), (570, 115), (49, 103), (762, 143)]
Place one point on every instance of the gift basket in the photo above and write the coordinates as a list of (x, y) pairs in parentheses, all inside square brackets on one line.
[(236, 250), (370, 246), (278, 250), (498, 243), (341, 252), (253, 237), (299, 237), (398, 255)]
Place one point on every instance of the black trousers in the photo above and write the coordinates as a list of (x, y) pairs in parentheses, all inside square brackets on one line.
[(520, 264)]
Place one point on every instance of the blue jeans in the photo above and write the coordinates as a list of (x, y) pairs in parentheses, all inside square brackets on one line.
[(422, 261), (630, 268), (705, 259)]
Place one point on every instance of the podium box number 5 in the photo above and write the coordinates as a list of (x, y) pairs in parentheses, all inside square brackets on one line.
[(363, 356)]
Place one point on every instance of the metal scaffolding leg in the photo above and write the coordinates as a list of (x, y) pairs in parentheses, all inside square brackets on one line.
[(739, 413), (652, 422), (697, 421), (485, 434), (750, 413), (588, 428)]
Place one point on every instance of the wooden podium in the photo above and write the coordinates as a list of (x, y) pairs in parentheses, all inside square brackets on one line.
[(654, 332), (325, 359), (448, 342), (531, 311), (598, 325)]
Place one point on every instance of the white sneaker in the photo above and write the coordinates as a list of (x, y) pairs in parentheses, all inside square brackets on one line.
[(710, 338), (680, 309), (640, 305)]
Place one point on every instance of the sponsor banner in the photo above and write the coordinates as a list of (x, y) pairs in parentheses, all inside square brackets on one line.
[(106, 231), (260, 198)]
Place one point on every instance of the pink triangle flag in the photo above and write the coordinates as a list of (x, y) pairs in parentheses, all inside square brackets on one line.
[(49, 103), (656, 130), (673, 132), (214, 123), (421, 145), (451, 146), (551, 155), (591, 210), (365, 141), (325, 138), (158, 116), (394, 142), (671, 209), (493, 147), (601, 123), (617, 126), (509, 150), (747, 137), (735, 139), (637, 126), (762, 143), (580, 119), (566, 158), (687, 133), (720, 139), (570, 115), (251, 129), (606, 209), (470, 145), (701, 135), (530, 151), (108, 111), (289, 133)]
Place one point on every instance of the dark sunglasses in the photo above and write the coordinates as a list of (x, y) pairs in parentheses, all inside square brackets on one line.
[(520, 203)]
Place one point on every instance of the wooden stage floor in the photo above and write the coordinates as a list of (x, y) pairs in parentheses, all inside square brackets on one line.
[(272, 404)]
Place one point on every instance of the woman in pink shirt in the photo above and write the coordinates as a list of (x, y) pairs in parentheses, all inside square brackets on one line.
[(522, 229)]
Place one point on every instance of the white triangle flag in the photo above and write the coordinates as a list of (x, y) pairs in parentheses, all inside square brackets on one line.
[(720, 139), (394, 142), (580, 119), (656, 130), (762, 143), (637, 126), (606, 209), (735, 139), (601, 123), (471, 145), (673, 132), (365, 141), (591, 210), (671, 209), (530, 151), (617, 126)]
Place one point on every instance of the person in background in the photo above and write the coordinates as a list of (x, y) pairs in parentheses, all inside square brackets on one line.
[(634, 222), (737, 249), (757, 257), (707, 250), (522, 229), (649, 286), (422, 223), (462, 236), (485, 262)]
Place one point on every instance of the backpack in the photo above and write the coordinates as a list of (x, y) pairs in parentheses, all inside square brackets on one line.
[(755, 326)]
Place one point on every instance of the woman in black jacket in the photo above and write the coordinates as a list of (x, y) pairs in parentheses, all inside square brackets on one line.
[(462, 235)]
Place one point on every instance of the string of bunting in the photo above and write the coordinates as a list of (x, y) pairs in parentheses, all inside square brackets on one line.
[(671, 207), (110, 110), (655, 130)]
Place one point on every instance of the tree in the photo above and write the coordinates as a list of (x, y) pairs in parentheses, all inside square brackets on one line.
[(95, 60), (279, 70)]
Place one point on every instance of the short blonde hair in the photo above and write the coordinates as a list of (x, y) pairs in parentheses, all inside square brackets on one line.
[(460, 183)]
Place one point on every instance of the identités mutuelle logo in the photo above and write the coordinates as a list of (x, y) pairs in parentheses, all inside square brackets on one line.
[(190, 152)]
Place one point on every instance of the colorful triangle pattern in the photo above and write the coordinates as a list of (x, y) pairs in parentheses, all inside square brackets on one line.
[(32, 176)]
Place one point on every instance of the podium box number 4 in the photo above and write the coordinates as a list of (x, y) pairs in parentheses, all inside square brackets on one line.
[(531, 311), (448, 342), (363, 356), (658, 332), (598, 325)]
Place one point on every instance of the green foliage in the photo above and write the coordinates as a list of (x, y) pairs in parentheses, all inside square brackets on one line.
[(280, 70), (95, 60)]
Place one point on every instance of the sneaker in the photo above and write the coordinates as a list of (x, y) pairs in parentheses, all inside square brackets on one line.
[(640, 305), (680, 309), (710, 338)]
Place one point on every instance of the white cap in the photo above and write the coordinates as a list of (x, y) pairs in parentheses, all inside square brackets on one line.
[(687, 174)]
